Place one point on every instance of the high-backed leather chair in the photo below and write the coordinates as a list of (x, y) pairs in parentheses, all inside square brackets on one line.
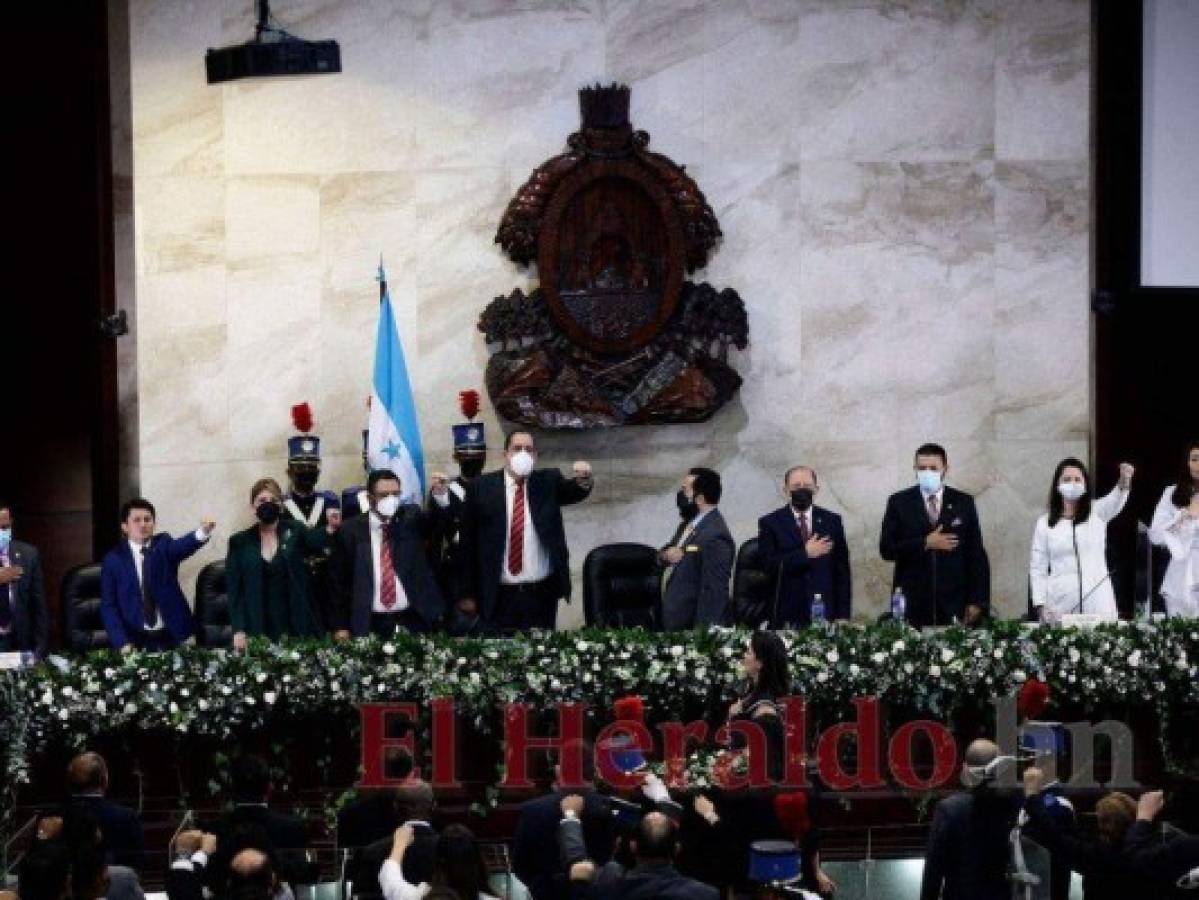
[(212, 607), (622, 586), (83, 629), (753, 587)]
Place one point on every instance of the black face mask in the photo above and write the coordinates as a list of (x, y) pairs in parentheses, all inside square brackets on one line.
[(305, 479), (801, 499), (687, 506), (268, 513), (471, 468)]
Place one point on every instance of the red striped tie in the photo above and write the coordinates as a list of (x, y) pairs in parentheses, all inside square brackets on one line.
[(516, 534), (387, 572)]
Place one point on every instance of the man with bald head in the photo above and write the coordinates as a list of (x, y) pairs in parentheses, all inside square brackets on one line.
[(803, 547), (414, 802), (653, 843), (967, 855), (120, 828)]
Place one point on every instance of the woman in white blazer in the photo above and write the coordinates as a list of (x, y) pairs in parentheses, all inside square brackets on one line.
[(1176, 527), (1068, 562)]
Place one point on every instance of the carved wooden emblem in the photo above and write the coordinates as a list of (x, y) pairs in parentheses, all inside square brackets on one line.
[(614, 334)]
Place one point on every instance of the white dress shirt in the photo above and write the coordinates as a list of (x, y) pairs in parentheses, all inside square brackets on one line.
[(536, 561), (1068, 562), (136, 549), (376, 529), (1180, 535)]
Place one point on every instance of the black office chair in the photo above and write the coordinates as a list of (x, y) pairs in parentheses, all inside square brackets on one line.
[(622, 587), (212, 607), (753, 587), (83, 629)]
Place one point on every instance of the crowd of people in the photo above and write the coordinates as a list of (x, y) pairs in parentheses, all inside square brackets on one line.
[(487, 554), (618, 838)]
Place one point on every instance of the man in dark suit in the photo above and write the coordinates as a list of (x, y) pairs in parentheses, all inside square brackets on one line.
[(253, 824), (535, 857), (24, 616), (120, 828), (415, 804), (517, 564), (803, 547), (380, 575), (697, 563), (931, 533), (140, 600)]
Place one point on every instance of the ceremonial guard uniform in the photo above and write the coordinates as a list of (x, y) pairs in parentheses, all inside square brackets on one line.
[(309, 506)]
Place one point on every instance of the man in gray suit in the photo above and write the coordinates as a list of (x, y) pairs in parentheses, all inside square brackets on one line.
[(24, 616), (698, 561)]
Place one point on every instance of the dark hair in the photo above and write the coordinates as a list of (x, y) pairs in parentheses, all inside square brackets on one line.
[(933, 450), (774, 679), (137, 503), (1082, 509), (707, 482), (1184, 489), (378, 475), (251, 778), (511, 434), (45, 871), (458, 864), (656, 837)]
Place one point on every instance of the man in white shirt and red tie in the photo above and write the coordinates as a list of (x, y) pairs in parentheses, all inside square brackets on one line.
[(380, 577), (931, 533), (803, 547), (513, 541)]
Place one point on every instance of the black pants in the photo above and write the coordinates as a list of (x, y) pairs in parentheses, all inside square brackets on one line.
[(387, 624), (154, 640), (520, 607)]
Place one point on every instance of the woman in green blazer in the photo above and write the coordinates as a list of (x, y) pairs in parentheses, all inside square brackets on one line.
[(266, 574)]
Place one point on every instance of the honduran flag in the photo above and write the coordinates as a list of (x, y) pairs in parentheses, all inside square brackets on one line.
[(393, 439)]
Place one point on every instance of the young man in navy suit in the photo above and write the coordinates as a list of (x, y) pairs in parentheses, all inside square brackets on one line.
[(140, 600), (931, 533), (803, 546)]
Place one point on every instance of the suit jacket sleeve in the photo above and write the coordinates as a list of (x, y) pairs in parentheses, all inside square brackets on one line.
[(568, 490), (842, 577), (934, 859), (184, 884), (777, 560), (39, 614), (716, 567), (978, 566), (110, 609), (468, 542), (341, 574), (182, 547), (233, 586), (893, 544)]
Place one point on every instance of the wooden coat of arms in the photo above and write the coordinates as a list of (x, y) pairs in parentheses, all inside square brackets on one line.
[(614, 334)]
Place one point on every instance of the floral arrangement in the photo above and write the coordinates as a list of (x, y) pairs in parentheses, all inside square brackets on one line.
[(219, 694)]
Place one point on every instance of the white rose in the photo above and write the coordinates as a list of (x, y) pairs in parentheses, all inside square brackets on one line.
[(935, 671), (833, 656), (946, 655), (270, 697)]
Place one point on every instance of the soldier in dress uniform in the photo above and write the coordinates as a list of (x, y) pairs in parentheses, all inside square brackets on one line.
[(446, 508), (312, 507)]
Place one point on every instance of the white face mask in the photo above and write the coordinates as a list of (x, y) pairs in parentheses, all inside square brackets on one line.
[(1071, 490), (521, 463), (388, 506)]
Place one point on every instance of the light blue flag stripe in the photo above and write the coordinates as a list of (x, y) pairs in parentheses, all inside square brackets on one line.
[(392, 386)]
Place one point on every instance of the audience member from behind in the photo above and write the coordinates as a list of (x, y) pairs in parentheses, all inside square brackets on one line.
[(534, 846), (458, 866), (1106, 872), (252, 824), (91, 874), (654, 844), (1176, 527), (45, 872), (1168, 865), (375, 813), (120, 828), (967, 855), (251, 873), (415, 804)]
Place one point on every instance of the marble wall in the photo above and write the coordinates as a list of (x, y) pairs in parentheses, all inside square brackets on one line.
[(903, 187)]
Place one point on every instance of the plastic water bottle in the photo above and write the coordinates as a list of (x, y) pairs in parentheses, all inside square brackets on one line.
[(899, 605), (818, 615)]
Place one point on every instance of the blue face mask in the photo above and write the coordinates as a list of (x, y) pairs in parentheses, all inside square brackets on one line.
[(5, 538), (929, 481)]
